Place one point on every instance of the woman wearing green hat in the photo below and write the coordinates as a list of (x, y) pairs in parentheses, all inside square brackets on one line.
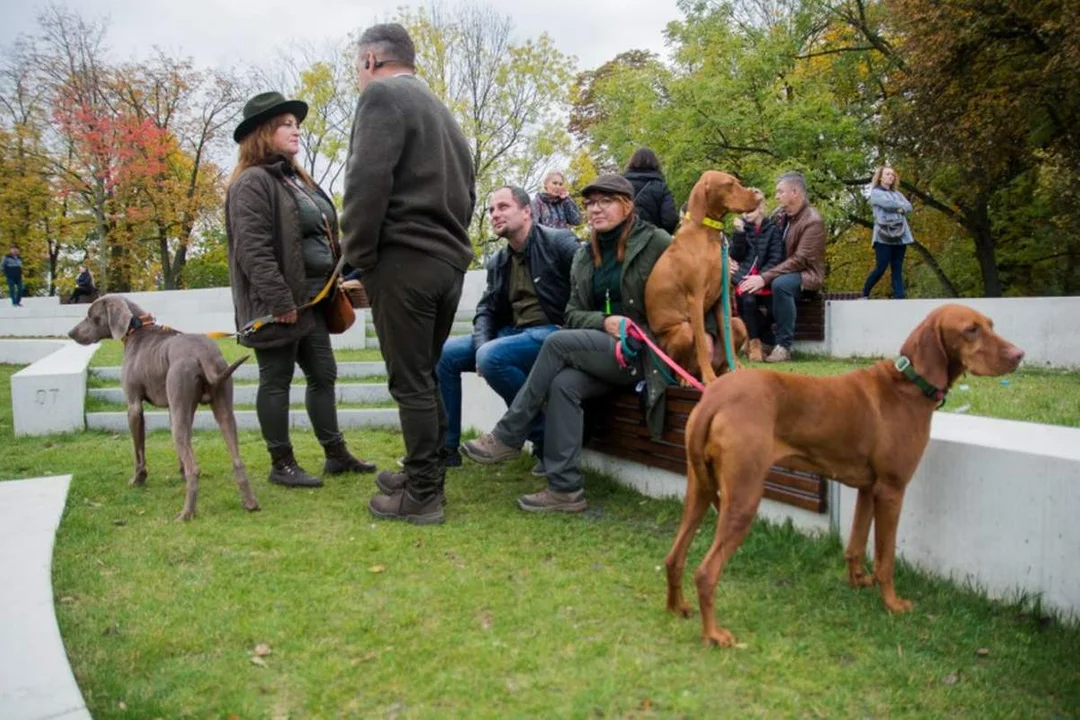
[(607, 286), (282, 233)]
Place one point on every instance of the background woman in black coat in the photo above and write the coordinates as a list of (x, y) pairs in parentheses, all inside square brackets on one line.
[(652, 198)]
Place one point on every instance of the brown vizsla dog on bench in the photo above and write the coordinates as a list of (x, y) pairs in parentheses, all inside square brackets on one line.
[(867, 428), (686, 281)]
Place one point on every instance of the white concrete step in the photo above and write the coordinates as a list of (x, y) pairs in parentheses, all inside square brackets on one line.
[(245, 394), (250, 371), (246, 419)]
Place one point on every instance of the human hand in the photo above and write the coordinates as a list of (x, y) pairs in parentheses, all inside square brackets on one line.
[(739, 224), (751, 284), (732, 268), (288, 318), (612, 323)]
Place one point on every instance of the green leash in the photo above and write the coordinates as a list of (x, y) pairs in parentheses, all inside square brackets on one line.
[(725, 298)]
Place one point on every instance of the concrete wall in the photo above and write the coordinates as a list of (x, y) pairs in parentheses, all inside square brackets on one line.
[(994, 503), (48, 397), (194, 311), (24, 352), (1048, 329)]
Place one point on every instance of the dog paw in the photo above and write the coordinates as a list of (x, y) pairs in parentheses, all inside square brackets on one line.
[(860, 581), (719, 637), (186, 515), (252, 506), (899, 606), (680, 610), (138, 480)]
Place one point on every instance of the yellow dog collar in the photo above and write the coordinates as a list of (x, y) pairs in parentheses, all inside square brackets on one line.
[(707, 222)]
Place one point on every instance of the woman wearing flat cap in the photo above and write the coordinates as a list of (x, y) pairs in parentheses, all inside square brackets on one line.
[(282, 233), (607, 281)]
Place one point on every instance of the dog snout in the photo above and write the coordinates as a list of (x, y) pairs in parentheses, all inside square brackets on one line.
[(1014, 355)]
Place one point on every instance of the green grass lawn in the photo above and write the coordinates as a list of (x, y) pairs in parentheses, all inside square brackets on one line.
[(495, 614)]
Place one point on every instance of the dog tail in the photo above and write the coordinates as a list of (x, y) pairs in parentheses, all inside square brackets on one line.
[(216, 380), (697, 439)]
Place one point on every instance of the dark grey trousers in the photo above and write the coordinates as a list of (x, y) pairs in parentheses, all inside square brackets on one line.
[(573, 365), (276, 367), (413, 301)]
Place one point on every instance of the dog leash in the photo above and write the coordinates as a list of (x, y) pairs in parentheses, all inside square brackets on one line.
[(628, 329), (260, 322), (725, 297)]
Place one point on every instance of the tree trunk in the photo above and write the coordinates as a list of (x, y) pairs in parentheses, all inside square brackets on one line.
[(981, 229), (166, 266), (932, 263)]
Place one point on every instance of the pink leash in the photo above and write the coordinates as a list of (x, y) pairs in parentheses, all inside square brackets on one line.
[(632, 330)]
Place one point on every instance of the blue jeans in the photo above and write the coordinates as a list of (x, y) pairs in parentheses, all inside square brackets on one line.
[(15, 289), (785, 290), (889, 256), (504, 363)]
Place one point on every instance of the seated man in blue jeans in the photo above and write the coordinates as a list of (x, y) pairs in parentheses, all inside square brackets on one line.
[(528, 286), (803, 267)]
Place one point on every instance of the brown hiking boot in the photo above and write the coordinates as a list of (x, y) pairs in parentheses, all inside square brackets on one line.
[(394, 482), (755, 354), (340, 460), (551, 501), (779, 354), (403, 506), (488, 449)]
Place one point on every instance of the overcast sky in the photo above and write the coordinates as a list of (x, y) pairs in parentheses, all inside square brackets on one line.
[(248, 32)]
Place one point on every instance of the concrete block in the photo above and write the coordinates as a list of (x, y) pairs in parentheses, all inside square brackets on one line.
[(249, 371), (36, 681), (994, 503), (48, 396), (25, 351)]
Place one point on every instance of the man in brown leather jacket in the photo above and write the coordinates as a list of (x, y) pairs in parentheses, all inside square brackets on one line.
[(803, 267)]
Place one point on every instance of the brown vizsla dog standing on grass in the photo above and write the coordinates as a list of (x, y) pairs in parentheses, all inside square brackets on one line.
[(169, 369), (867, 428), (686, 281)]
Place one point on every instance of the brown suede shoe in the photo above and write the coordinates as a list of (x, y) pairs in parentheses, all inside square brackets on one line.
[(552, 501), (403, 506), (755, 354), (488, 449)]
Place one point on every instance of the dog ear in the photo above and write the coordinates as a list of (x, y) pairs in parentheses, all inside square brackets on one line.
[(925, 348), (697, 206), (118, 315)]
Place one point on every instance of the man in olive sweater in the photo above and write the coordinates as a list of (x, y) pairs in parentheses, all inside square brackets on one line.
[(410, 190)]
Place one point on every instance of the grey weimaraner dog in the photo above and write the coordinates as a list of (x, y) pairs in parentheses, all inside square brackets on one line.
[(168, 369)]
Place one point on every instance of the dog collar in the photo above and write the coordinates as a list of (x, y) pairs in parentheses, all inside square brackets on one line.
[(904, 367), (138, 323), (707, 222)]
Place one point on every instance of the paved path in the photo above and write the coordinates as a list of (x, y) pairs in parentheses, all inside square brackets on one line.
[(36, 682)]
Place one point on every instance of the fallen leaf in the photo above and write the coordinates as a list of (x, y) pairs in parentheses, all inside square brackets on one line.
[(377, 569), (646, 704), (256, 660), (121, 705), (119, 522), (982, 652), (952, 679), (486, 621), (741, 646), (899, 651), (367, 658), (262, 650)]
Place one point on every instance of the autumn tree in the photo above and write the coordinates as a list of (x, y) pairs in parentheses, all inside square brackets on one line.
[(509, 95)]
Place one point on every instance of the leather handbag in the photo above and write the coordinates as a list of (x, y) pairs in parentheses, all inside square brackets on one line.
[(338, 310)]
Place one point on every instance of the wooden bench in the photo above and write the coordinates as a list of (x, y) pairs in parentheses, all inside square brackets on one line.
[(810, 313), (616, 426)]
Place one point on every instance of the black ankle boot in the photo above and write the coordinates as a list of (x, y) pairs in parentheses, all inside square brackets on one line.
[(285, 471), (339, 460)]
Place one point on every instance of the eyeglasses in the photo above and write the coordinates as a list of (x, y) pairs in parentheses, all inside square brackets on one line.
[(601, 203)]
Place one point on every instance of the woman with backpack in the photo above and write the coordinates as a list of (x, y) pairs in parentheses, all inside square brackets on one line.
[(653, 200), (891, 234)]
